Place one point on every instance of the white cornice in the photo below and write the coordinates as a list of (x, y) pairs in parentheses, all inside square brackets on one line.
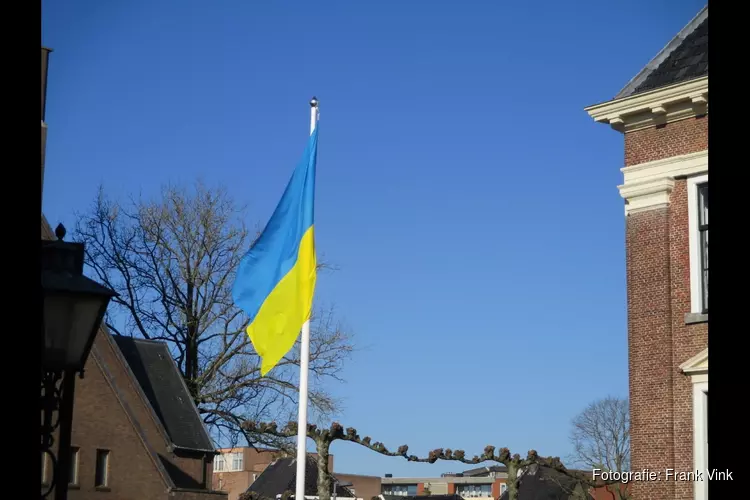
[(698, 364), (647, 195), (648, 185), (675, 166), (664, 105)]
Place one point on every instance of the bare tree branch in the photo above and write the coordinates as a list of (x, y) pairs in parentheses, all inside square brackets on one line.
[(172, 259), (513, 462)]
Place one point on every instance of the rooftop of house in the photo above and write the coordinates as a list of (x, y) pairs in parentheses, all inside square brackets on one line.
[(684, 58), (542, 483), (483, 471), (281, 476), (162, 383), (421, 497)]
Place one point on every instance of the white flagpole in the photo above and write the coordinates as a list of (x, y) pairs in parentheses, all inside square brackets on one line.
[(304, 368)]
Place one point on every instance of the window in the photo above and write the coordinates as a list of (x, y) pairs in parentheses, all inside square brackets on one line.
[(102, 468), (474, 490), (400, 489), (503, 487), (45, 469), (73, 479), (698, 240), (218, 463), (703, 239), (237, 461), (228, 462)]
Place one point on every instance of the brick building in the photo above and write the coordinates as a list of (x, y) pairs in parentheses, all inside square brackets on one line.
[(663, 115), (136, 433)]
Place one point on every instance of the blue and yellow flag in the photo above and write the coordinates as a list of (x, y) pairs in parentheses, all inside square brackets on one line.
[(275, 281)]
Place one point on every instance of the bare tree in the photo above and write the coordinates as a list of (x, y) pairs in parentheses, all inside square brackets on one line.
[(172, 260), (600, 436), (323, 439)]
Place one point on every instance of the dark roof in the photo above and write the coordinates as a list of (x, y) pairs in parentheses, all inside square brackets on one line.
[(281, 476), (483, 471), (542, 483), (684, 58), (162, 383), (422, 497)]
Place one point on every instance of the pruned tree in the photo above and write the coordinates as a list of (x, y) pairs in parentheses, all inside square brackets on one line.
[(172, 259), (600, 436), (323, 439)]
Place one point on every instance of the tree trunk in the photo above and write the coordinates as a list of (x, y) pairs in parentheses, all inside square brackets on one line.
[(512, 481), (324, 475)]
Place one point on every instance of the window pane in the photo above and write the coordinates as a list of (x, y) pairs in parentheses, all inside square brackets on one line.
[(703, 204), (73, 479), (44, 468), (411, 490), (102, 467)]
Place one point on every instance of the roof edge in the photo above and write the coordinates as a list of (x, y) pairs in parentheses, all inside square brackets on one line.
[(171, 444), (654, 63), (195, 407), (137, 385)]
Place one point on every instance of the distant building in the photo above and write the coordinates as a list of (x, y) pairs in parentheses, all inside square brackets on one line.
[(663, 114), (484, 483)]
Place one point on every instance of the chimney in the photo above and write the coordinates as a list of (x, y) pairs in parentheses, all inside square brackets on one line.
[(45, 62)]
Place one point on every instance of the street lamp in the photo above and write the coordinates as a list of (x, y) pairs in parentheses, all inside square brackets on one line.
[(73, 307)]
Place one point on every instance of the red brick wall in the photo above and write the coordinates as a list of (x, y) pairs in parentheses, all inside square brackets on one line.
[(687, 340), (658, 280), (672, 139), (496, 488), (609, 492), (234, 483), (365, 487), (451, 488), (650, 347), (100, 422)]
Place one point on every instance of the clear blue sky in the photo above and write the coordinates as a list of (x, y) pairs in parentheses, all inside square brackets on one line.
[(469, 201)]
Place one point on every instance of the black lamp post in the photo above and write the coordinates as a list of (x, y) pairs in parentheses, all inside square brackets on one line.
[(73, 307)]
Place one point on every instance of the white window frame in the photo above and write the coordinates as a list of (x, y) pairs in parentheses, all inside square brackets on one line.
[(238, 456), (217, 459), (696, 279), (697, 369), (700, 437), (75, 453)]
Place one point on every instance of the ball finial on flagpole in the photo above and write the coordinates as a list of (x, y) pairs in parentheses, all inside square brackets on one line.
[(314, 102)]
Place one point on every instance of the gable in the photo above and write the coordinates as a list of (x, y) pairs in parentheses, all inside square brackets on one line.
[(103, 419), (698, 364)]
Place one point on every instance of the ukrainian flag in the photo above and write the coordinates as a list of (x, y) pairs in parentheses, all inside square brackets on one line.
[(275, 280)]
